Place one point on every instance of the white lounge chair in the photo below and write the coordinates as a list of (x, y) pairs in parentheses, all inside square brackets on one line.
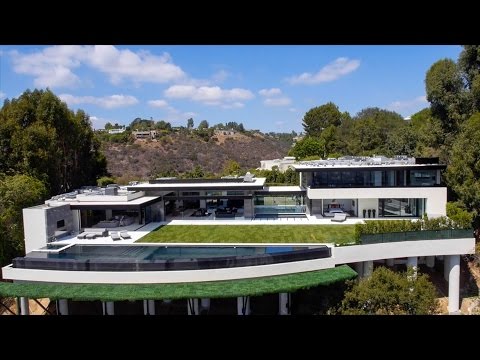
[(339, 217), (114, 235), (125, 235)]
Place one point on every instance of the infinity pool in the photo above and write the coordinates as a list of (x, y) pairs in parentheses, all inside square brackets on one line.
[(160, 257)]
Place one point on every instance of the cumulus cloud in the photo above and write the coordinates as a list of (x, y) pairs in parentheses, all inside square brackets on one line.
[(281, 101), (53, 65), (220, 76), (99, 123), (270, 92), (407, 107), (108, 102), (2, 95), (158, 103), (330, 72), (209, 95)]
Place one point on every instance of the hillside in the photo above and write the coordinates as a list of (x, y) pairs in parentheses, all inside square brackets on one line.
[(180, 152)]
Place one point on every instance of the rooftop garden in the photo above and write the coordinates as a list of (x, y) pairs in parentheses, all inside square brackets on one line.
[(252, 234)]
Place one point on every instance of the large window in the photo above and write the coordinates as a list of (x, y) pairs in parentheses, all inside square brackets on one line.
[(401, 207), (373, 178)]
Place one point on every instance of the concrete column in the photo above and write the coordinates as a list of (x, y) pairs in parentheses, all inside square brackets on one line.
[(145, 307), (108, 307), (367, 268), (390, 262), (24, 306), (284, 303), (243, 305), (446, 267), (108, 214), (63, 307), (359, 269), (151, 307), (454, 283), (205, 304), (192, 306), (430, 261), (412, 261)]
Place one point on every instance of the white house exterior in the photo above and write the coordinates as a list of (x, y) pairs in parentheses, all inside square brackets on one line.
[(371, 187), (282, 164)]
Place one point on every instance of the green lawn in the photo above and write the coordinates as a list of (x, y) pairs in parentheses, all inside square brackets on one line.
[(339, 234)]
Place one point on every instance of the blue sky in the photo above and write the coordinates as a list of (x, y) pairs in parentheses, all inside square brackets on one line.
[(262, 86)]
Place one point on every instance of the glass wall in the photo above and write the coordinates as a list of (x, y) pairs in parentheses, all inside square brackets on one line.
[(279, 204), (373, 178), (401, 207)]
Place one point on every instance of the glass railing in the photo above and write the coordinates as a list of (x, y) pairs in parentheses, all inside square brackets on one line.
[(280, 209), (416, 235)]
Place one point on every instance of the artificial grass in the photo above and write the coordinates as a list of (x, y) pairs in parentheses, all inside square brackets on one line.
[(214, 289), (338, 234)]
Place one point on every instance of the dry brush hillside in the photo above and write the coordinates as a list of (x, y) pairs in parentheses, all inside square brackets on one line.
[(182, 152)]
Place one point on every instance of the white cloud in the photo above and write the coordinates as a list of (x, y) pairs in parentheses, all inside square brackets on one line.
[(270, 92), (220, 76), (158, 103), (282, 101), (53, 65), (139, 66), (235, 105), (292, 109), (330, 72), (2, 95), (209, 95), (108, 102), (408, 107), (279, 124), (98, 123)]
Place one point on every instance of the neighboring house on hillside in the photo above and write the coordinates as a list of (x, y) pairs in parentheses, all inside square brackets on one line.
[(230, 132), (116, 131), (282, 164), (149, 134)]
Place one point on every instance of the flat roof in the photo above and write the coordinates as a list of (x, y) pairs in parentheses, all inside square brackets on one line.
[(283, 189), (141, 201), (214, 289), (211, 185)]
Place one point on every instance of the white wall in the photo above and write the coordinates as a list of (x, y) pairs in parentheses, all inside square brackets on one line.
[(35, 228), (367, 204), (436, 196)]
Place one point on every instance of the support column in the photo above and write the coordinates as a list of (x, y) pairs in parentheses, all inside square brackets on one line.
[(151, 307), (446, 267), (205, 304), (412, 261), (359, 269), (285, 303), (454, 283), (108, 308), (192, 305), (145, 307), (391, 262), (63, 307), (24, 306), (243, 305), (430, 261), (367, 268)]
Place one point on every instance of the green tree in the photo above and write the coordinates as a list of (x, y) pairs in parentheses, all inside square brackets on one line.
[(190, 123), (308, 146), (106, 180), (41, 137), (16, 193), (460, 215), (390, 293), (463, 171), (320, 117), (231, 167), (447, 96), (203, 125)]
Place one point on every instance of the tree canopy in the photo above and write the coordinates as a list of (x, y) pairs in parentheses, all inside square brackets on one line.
[(390, 293), (320, 117), (41, 137)]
